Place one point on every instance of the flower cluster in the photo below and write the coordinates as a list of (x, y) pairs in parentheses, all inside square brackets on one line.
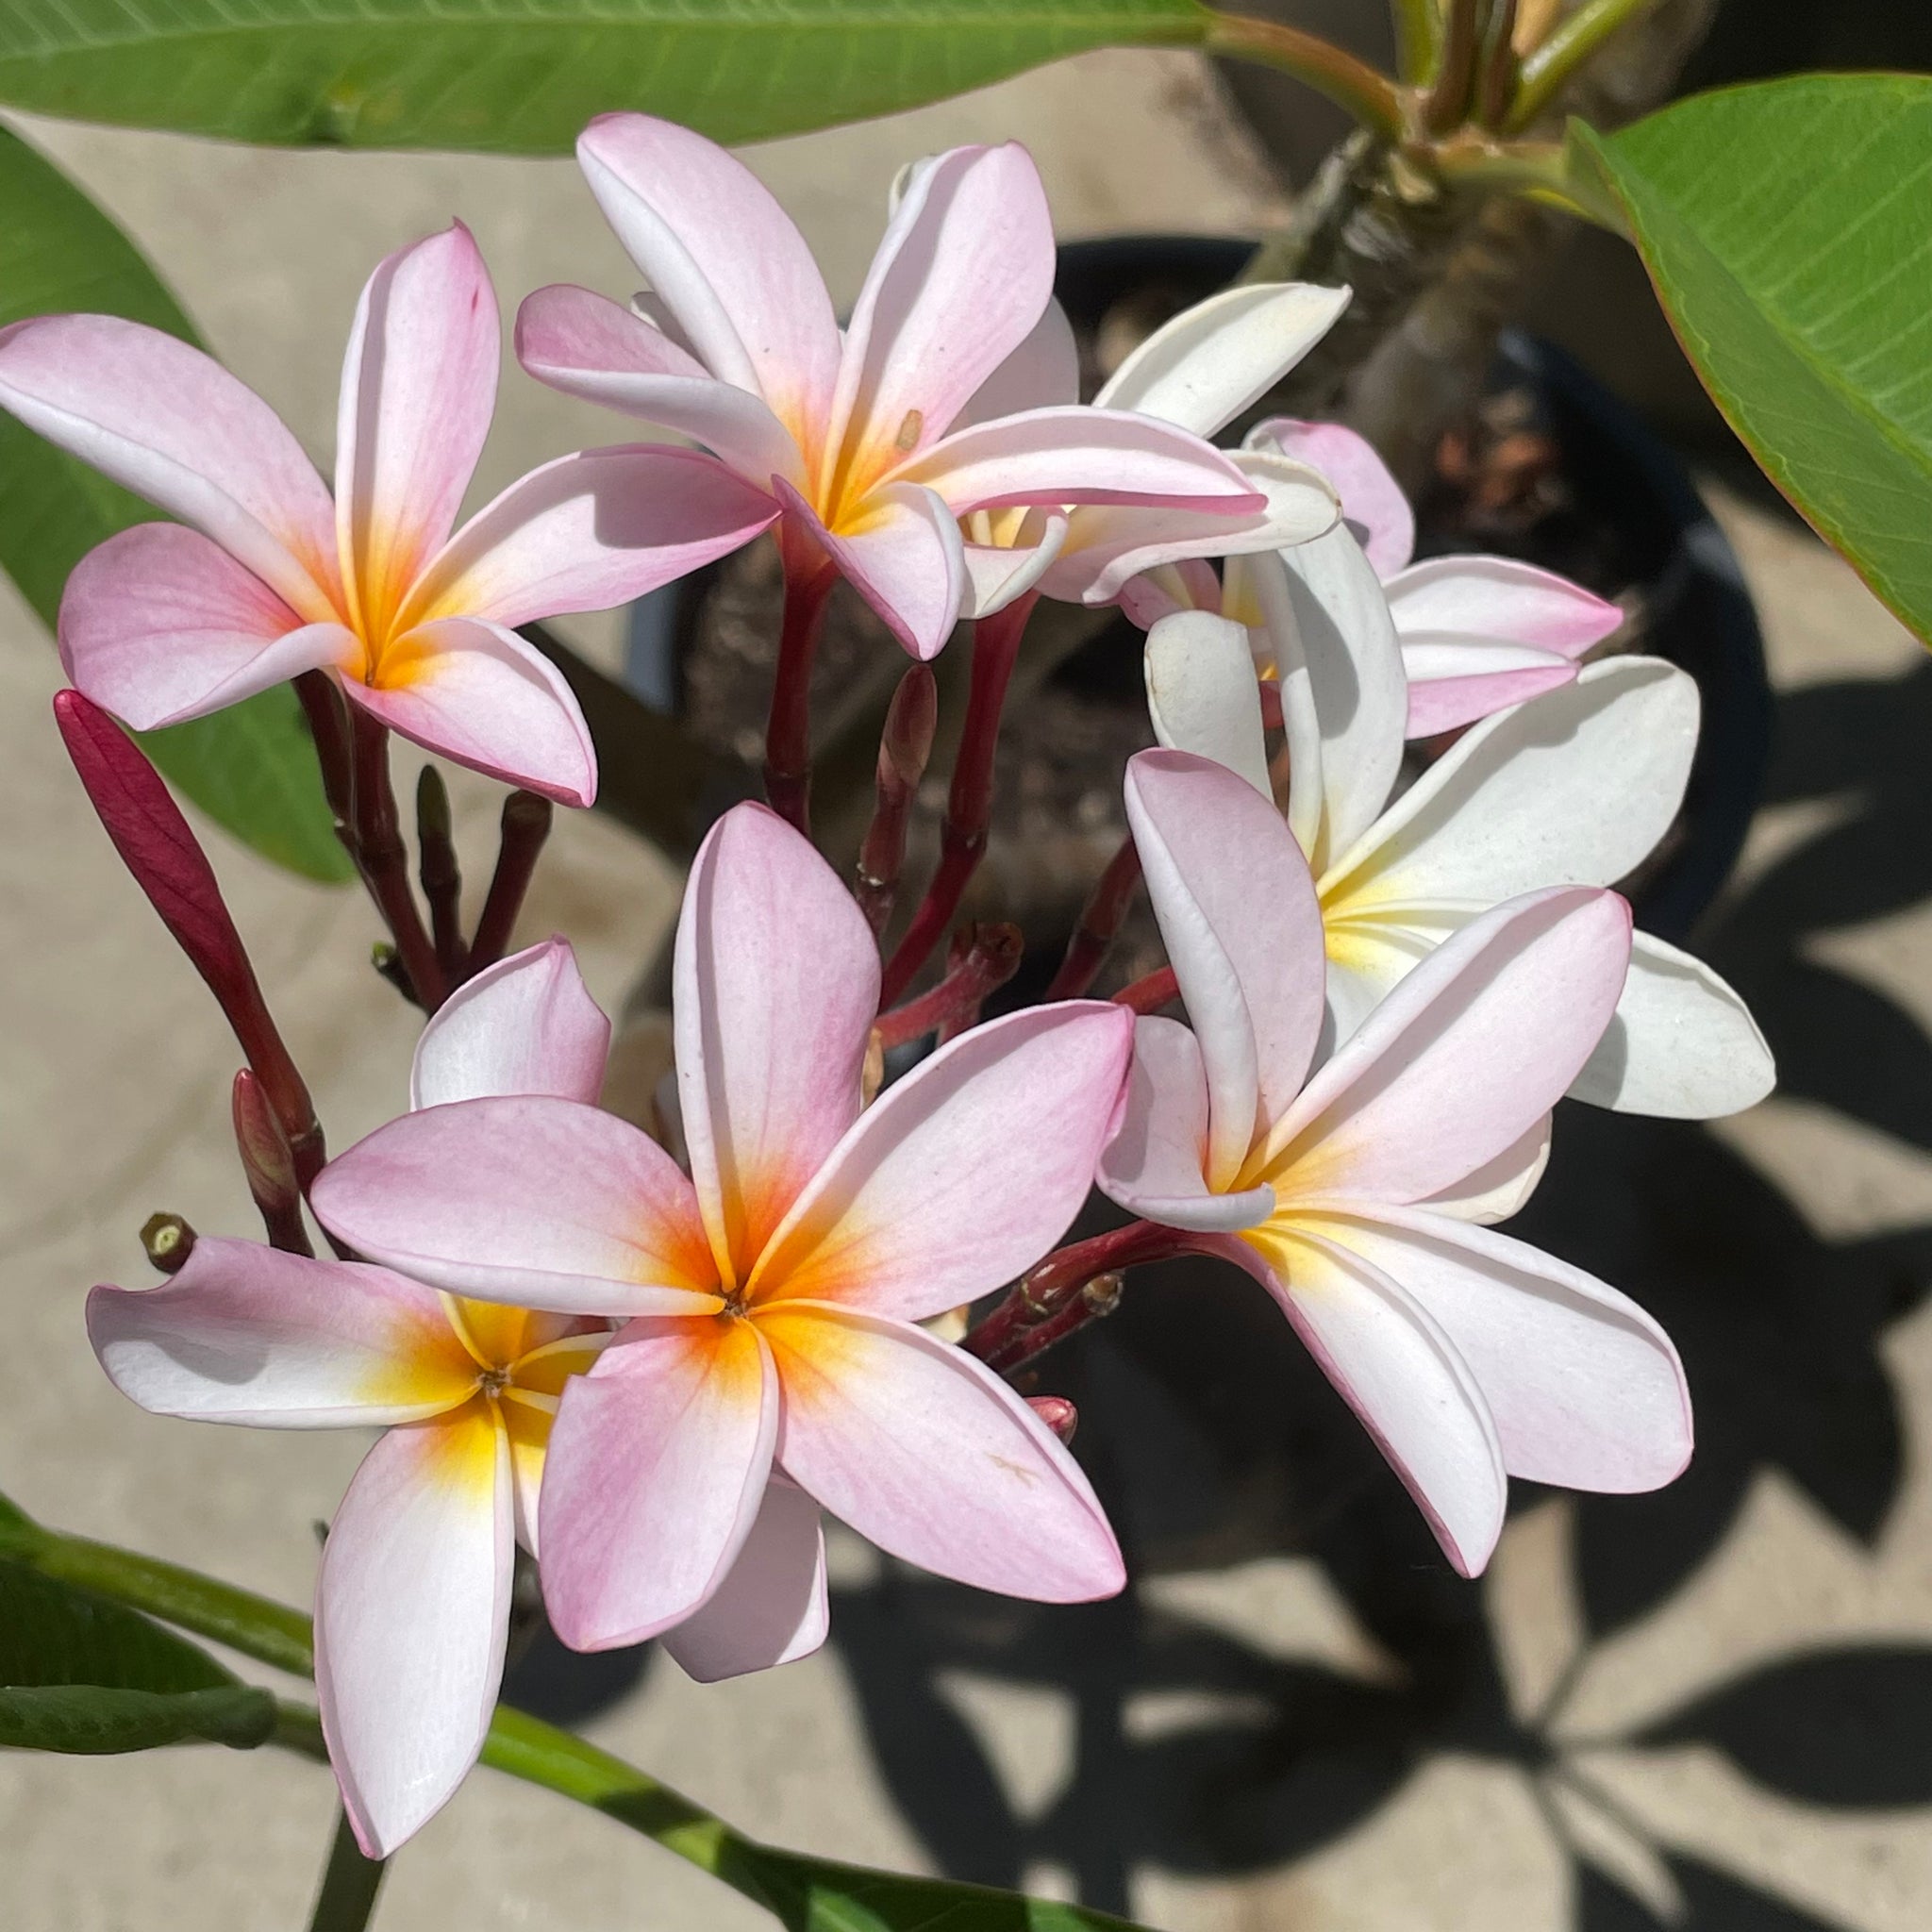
[(654, 1363)]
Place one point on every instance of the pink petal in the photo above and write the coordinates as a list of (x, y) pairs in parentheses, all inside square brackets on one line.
[(1496, 598), (592, 531), (658, 1465), (1464, 1058), (772, 1607), (481, 696), (724, 258), (928, 1453), (1073, 455), (1186, 584), (962, 1173), (1042, 372), (588, 346), (247, 1334), (158, 623), (1209, 362), (960, 280), (1202, 694), (1155, 1165), (526, 1024), (996, 576), (1376, 511), (1238, 910), (411, 1612), (1501, 1187), (1454, 685), (776, 981), (174, 426), (1585, 1387), (527, 1199), (906, 559), (1403, 1375), (419, 388)]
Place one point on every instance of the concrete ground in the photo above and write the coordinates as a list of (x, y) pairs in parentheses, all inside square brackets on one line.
[(1710, 1708)]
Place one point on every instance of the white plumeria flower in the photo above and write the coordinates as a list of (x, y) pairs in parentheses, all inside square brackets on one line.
[(1573, 788)]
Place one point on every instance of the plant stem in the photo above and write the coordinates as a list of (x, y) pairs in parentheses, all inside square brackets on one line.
[(989, 959), (349, 1884), (1368, 94), (787, 731), (1148, 995), (438, 873), (1418, 39), (1496, 82), (526, 825), (1447, 105), (905, 745), (386, 861), (1100, 921), (1546, 68)]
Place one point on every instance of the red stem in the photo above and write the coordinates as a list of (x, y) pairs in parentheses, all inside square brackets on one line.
[(969, 805), (525, 827), (270, 1167), (386, 861), (1150, 994), (905, 745), (440, 875), (989, 959), (787, 731), (1100, 922)]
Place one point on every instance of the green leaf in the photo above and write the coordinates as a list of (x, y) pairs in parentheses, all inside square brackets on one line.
[(251, 768), (79, 1673), (1785, 226), (522, 76)]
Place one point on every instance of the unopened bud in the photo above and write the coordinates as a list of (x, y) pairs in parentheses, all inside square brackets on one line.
[(269, 1166), (168, 1241), (1057, 1413), (910, 721)]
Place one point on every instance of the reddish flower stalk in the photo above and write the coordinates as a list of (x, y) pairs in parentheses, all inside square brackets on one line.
[(385, 860), (984, 958), (1150, 994), (1100, 921), (969, 806), (1071, 1287), (269, 1166), (329, 724), (441, 878), (787, 731), (526, 825), (168, 864), (905, 745)]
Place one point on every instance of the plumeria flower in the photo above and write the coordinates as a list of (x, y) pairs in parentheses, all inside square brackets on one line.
[(412, 1605), (269, 578), (1576, 787), (1477, 633), (1360, 1196), (865, 442), (772, 1296)]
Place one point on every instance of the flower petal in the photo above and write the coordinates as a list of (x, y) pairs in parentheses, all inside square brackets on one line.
[(592, 531), (1042, 372), (479, 694), (1501, 1187), (588, 346), (962, 278), (1202, 695), (419, 388), (1376, 511), (1205, 367), (659, 1462), (772, 1607), (1464, 1058), (526, 1024), (1454, 685), (527, 1199), (905, 557), (1682, 1044), (1451, 599), (725, 258), (411, 1613), (247, 1334), (996, 576), (1585, 1387), (776, 983), (1155, 1166), (928, 1453), (158, 623), (1575, 788), (962, 1173), (174, 426), (1236, 908), (1395, 1365)]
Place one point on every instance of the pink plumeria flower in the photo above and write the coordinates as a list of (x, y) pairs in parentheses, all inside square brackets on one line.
[(1576, 787), (865, 440), (412, 1605), (1359, 1196), (1476, 633), (270, 578), (773, 1294)]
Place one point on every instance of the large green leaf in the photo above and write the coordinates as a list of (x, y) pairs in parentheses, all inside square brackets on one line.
[(79, 1673), (522, 76), (251, 768), (1787, 229)]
